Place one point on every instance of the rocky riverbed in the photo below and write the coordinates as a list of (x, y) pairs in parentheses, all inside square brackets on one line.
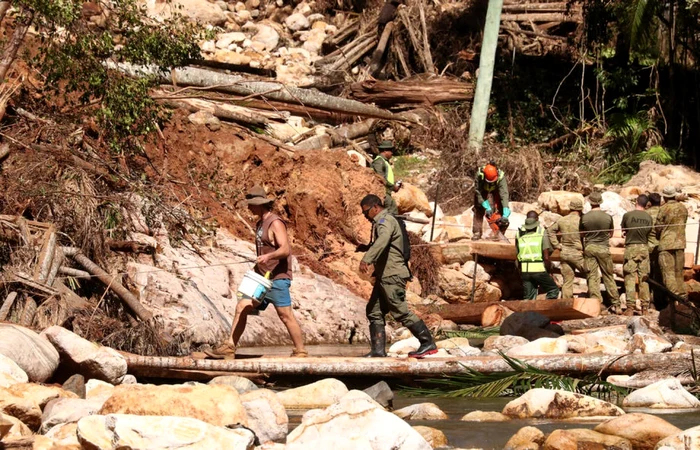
[(59, 391)]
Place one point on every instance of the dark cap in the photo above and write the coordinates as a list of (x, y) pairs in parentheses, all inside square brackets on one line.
[(386, 145)]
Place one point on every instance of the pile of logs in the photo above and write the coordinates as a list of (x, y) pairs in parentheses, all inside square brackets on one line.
[(40, 297), (536, 28)]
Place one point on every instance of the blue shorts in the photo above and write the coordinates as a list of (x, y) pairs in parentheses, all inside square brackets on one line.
[(278, 295)]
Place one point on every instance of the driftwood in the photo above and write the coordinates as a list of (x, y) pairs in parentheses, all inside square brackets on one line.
[(542, 17), (130, 247), (28, 312), (337, 136), (234, 84), (7, 305), (430, 92), (33, 286), (561, 309), (112, 283), (409, 367), (358, 50), (375, 64), (75, 273), (227, 112)]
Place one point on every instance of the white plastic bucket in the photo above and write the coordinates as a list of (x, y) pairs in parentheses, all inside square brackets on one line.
[(254, 286)]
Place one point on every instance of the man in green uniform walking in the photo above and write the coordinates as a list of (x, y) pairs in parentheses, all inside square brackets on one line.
[(383, 168), (391, 273), (533, 247), (670, 229), (571, 250), (636, 226), (596, 230)]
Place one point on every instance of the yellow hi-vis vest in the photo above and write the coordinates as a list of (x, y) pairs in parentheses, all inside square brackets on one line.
[(530, 253), (389, 170)]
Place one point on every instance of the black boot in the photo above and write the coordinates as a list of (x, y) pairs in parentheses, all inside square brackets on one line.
[(427, 345), (377, 337)]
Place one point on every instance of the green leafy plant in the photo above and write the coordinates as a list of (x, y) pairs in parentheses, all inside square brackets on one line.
[(521, 379), (74, 52), (481, 333)]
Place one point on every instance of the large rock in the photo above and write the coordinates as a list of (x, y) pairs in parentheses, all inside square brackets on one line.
[(526, 438), (65, 434), (484, 416), (410, 198), (68, 410), (456, 287), (458, 347), (40, 394), (98, 389), (558, 201), (580, 438), (433, 436), (354, 422), (199, 301), (650, 343), (267, 36), (85, 357), (404, 346), (556, 404), (382, 394), (215, 404), (241, 384), (266, 415), (678, 441), (23, 409), (481, 274), (667, 393), (12, 427), (34, 354), (200, 11), (315, 395), (130, 432), (421, 411), (296, 22), (540, 347), (503, 343), (11, 373), (644, 431)]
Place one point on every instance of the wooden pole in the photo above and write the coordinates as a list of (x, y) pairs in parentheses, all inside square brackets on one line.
[(476, 265), (409, 367), (437, 196), (487, 60)]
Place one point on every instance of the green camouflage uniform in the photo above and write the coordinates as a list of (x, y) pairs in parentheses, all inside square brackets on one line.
[(391, 272), (381, 166), (597, 226), (653, 243), (670, 230), (637, 225), (571, 250)]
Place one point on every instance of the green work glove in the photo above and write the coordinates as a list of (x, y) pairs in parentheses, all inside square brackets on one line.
[(506, 212), (486, 205)]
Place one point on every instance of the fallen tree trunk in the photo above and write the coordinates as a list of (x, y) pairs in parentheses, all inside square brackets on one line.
[(560, 309), (538, 7), (392, 93), (141, 366), (227, 112), (191, 76), (542, 17), (337, 136), (112, 283)]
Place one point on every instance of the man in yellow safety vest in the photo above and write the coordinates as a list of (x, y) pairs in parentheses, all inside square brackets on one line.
[(533, 247), (383, 168)]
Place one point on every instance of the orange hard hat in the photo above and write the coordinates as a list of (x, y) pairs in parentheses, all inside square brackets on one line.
[(491, 173)]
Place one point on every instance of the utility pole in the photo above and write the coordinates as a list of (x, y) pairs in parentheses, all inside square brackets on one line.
[(480, 108)]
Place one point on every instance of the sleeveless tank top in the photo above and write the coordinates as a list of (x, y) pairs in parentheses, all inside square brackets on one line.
[(280, 269)]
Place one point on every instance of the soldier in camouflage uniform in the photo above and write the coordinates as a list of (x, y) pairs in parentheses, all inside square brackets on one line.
[(657, 295), (637, 226), (670, 229), (382, 167), (571, 255), (596, 230)]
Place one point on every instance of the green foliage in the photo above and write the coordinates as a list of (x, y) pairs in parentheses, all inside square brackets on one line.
[(478, 333), (73, 52), (515, 383)]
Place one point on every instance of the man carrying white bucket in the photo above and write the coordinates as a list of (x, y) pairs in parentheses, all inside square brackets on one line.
[(273, 258)]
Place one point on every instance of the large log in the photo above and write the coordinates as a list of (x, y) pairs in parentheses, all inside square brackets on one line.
[(192, 76), (560, 309), (542, 17), (409, 367), (462, 252), (429, 92)]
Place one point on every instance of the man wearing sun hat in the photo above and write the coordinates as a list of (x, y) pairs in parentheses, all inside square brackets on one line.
[(274, 258), (533, 248), (596, 230), (383, 168), (670, 230)]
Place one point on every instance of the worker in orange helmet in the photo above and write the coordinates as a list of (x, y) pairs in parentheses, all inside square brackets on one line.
[(490, 196)]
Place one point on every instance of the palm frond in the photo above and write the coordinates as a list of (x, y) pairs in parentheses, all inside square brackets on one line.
[(477, 333), (521, 379)]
